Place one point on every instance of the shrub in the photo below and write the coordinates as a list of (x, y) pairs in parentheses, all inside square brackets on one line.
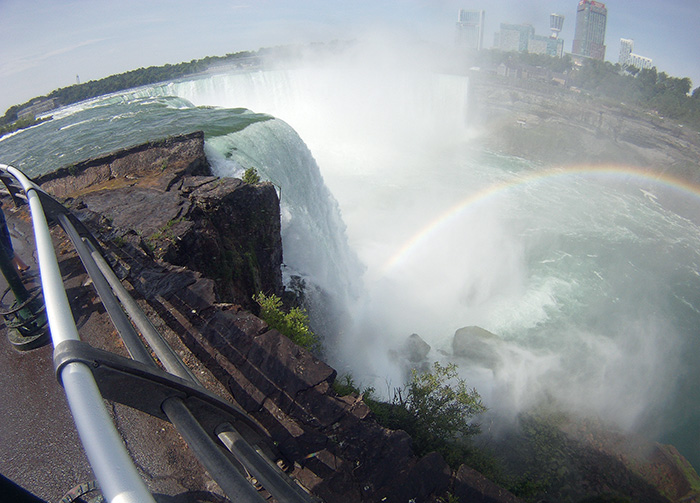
[(251, 176), (441, 408), (294, 324), (436, 409)]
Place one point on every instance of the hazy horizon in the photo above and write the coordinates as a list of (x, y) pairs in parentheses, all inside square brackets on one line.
[(105, 38)]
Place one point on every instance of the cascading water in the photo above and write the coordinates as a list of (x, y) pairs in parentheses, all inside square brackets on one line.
[(313, 234), (590, 282)]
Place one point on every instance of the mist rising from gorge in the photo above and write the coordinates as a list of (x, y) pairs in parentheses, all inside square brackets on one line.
[(576, 274)]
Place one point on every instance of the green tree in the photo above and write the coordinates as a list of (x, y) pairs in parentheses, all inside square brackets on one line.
[(441, 403)]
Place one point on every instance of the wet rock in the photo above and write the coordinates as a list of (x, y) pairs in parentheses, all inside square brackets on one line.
[(472, 486), (415, 349), (478, 345)]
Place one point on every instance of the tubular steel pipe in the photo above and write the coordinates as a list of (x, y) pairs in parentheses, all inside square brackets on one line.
[(119, 480), (96, 428), (271, 477), (170, 360), (221, 469), (136, 348)]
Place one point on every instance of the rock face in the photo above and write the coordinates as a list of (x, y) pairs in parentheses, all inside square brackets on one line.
[(162, 199), (562, 128)]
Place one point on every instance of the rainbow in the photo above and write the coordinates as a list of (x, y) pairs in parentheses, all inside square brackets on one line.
[(612, 172)]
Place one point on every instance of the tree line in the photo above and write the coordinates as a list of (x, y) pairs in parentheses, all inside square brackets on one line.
[(649, 89), (127, 80)]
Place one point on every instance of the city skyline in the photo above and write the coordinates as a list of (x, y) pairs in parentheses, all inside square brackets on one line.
[(40, 54)]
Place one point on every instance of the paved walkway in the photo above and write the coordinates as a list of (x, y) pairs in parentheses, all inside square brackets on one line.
[(39, 446)]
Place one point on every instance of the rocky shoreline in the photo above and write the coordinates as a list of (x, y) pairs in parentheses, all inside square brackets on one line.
[(562, 128), (196, 248)]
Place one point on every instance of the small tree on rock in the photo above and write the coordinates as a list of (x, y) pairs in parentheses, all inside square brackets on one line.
[(251, 176)]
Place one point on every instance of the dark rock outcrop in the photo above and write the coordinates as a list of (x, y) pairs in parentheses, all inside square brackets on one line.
[(161, 198)]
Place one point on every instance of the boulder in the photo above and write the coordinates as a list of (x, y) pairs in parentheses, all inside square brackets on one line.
[(477, 345), (415, 349)]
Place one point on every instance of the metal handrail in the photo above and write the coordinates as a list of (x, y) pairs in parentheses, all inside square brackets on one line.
[(111, 463), (103, 445)]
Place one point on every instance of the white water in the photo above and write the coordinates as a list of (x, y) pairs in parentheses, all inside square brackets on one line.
[(579, 276), (554, 267)]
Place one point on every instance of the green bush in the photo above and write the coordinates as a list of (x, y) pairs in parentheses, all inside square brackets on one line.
[(436, 409), (294, 324), (251, 176)]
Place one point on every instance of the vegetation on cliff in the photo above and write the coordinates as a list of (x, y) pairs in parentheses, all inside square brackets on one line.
[(293, 324), (436, 408), (133, 78), (21, 124)]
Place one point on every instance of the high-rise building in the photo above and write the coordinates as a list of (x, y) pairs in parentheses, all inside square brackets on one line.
[(626, 48), (629, 58), (514, 37), (589, 36), (470, 29), (522, 38), (540, 44), (556, 23)]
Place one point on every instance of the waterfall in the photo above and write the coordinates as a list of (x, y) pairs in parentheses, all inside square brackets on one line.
[(398, 222)]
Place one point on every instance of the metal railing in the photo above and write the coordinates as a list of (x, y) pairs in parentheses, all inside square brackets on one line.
[(89, 374)]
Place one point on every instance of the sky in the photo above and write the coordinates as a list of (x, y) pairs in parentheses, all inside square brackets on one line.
[(47, 44)]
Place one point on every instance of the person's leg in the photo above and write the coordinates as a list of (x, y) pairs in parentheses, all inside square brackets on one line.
[(6, 242)]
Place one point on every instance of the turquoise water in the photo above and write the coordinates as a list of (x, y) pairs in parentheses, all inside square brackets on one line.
[(400, 223), (105, 124)]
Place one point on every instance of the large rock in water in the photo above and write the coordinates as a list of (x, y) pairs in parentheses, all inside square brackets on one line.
[(477, 345)]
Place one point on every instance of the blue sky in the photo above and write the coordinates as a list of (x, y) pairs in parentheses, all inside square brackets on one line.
[(45, 44)]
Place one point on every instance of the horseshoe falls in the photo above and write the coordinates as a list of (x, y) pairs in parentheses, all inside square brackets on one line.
[(398, 222)]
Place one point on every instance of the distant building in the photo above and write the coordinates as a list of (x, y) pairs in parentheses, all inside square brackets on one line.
[(626, 48), (514, 37), (522, 38), (629, 58), (589, 35), (539, 44), (470, 29), (556, 23), (640, 62)]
